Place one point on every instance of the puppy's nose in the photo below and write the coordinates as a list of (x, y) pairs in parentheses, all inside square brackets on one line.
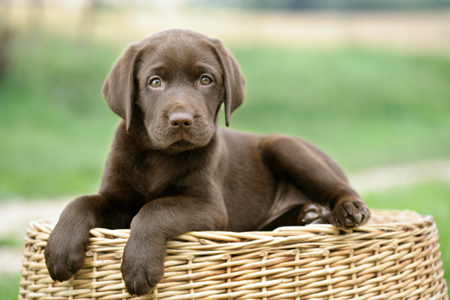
[(179, 120)]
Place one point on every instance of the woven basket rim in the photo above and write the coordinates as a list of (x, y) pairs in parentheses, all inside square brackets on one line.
[(412, 216), (405, 219)]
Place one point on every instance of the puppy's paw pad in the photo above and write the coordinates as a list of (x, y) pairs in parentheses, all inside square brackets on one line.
[(358, 218)]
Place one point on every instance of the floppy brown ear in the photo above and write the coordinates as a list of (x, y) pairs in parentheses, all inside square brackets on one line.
[(118, 89), (233, 80)]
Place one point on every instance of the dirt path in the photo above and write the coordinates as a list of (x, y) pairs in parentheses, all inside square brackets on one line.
[(15, 215), (14, 218), (384, 178)]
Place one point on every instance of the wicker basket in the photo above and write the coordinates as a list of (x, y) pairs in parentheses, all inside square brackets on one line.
[(396, 256)]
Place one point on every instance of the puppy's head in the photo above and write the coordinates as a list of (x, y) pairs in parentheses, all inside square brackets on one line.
[(173, 82)]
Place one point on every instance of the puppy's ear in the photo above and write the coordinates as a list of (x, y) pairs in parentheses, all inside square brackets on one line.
[(118, 89), (233, 80)]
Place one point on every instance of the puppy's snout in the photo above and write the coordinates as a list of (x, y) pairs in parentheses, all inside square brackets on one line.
[(180, 120)]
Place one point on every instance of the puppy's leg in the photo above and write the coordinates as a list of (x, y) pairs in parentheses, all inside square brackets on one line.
[(316, 175), (64, 253), (156, 223)]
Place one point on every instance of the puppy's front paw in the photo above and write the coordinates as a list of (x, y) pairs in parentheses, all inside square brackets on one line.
[(64, 255), (350, 213), (141, 271)]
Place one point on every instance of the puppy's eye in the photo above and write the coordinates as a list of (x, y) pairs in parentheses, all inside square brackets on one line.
[(155, 82), (205, 80)]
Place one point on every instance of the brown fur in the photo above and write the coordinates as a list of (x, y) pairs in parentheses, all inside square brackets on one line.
[(171, 170)]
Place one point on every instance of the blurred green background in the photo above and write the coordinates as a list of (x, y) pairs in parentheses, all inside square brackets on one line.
[(367, 100)]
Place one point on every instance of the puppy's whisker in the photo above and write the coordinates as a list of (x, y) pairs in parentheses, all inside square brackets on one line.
[(142, 140)]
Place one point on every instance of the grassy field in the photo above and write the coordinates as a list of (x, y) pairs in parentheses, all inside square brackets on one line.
[(365, 108)]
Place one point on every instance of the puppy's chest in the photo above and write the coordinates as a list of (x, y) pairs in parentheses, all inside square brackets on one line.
[(157, 178)]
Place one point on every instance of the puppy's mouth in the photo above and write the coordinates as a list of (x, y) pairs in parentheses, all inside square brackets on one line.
[(178, 140), (182, 145)]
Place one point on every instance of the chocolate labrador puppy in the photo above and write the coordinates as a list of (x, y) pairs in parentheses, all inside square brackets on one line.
[(172, 170)]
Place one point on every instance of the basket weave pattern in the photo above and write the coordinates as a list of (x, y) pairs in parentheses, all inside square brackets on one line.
[(396, 256)]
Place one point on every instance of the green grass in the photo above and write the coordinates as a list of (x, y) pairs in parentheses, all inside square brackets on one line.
[(9, 286), (55, 127), (11, 241), (364, 108)]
